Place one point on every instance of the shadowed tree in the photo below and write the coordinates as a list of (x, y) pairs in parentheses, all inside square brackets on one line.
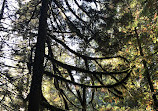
[(84, 71), (76, 74), (38, 69)]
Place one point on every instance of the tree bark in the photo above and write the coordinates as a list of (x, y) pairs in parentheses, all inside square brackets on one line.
[(38, 69)]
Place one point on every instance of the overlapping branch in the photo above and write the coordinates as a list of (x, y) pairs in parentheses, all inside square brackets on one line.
[(88, 86), (83, 56)]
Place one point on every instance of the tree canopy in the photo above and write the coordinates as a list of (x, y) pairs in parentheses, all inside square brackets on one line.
[(78, 55)]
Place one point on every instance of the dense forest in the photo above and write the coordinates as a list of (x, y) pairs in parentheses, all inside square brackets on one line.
[(78, 55)]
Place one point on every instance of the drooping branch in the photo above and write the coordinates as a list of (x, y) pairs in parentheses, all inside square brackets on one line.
[(83, 56), (83, 70), (68, 67), (88, 86)]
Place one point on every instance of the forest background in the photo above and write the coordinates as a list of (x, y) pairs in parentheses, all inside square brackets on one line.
[(78, 55)]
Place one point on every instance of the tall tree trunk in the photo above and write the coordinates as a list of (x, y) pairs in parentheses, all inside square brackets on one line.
[(38, 69)]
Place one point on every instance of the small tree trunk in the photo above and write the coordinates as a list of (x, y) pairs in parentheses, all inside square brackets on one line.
[(35, 90), (84, 105), (147, 74)]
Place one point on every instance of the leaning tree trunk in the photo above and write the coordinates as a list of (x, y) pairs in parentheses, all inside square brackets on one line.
[(35, 90), (2, 10), (147, 74)]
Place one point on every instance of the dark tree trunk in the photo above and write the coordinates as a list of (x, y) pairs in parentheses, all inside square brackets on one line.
[(35, 90), (2, 10), (84, 105)]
